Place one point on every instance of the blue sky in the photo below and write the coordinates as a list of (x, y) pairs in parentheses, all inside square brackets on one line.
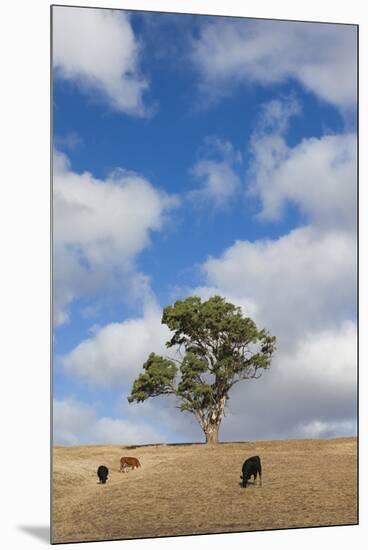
[(197, 154)]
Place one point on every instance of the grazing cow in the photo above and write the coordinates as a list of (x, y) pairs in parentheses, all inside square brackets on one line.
[(251, 467), (127, 461), (102, 473)]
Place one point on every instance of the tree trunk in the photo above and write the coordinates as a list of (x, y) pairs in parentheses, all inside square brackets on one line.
[(212, 425), (211, 433)]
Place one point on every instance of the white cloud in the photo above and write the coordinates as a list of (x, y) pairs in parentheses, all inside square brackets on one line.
[(115, 354), (319, 429), (268, 52), (105, 219), (308, 392), (275, 115), (75, 423), (70, 421), (179, 426), (70, 141), (317, 175), (99, 229), (327, 358), (247, 305), (97, 50), (219, 180), (303, 280)]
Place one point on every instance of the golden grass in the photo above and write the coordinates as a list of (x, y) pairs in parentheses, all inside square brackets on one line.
[(189, 489)]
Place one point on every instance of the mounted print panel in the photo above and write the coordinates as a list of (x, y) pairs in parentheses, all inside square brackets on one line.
[(204, 187)]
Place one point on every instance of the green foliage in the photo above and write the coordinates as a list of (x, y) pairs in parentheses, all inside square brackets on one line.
[(218, 347), (195, 393), (157, 379)]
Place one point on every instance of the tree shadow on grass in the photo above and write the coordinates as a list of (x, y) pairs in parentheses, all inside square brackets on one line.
[(161, 445), (181, 444)]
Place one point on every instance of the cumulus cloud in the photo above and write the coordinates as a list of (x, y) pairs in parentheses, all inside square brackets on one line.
[(317, 175), (220, 182), (248, 306), (105, 219), (308, 392), (179, 426), (302, 280), (97, 50), (218, 176), (75, 423), (275, 115), (324, 430), (269, 52), (116, 352), (328, 357), (100, 226)]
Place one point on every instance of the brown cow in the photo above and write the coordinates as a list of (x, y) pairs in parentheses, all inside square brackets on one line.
[(126, 461)]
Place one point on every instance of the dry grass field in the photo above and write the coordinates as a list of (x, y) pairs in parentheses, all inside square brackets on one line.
[(188, 489)]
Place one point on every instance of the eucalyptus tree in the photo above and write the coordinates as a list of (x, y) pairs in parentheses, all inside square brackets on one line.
[(217, 347)]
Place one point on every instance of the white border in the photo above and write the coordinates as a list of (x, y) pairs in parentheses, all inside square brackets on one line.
[(25, 277)]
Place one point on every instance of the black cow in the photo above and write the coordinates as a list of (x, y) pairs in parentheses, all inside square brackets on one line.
[(102, 473), (251, 467)]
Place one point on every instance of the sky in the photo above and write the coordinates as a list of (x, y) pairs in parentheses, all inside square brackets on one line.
[(202, 155)]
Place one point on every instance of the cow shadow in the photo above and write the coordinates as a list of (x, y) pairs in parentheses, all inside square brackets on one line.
[(254, 483)]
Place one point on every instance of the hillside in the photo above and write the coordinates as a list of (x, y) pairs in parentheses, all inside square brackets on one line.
[(188, 489)]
